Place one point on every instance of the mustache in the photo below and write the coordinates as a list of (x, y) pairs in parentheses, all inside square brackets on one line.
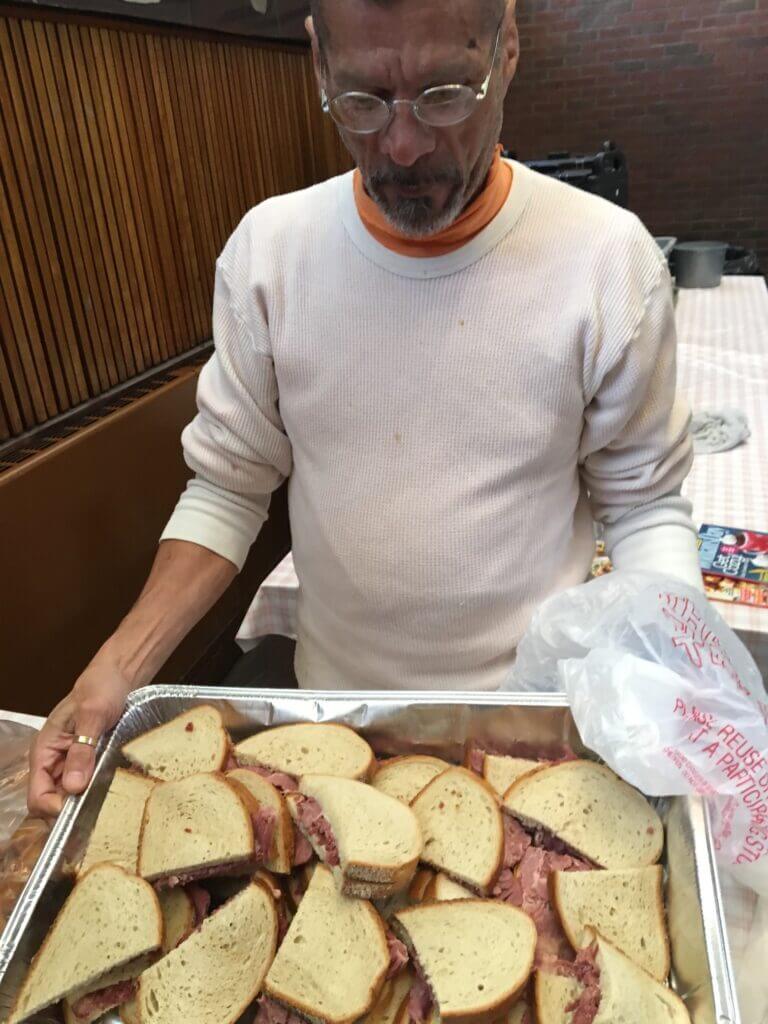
[(404, 178)]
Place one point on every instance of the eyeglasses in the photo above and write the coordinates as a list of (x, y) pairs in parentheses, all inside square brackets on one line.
[(363, 113)]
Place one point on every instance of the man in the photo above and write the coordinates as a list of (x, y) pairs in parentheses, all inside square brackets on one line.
[(458, 363)]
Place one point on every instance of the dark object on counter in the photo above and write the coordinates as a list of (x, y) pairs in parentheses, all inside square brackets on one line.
[(699, 264), (603, 174), (741, 262)]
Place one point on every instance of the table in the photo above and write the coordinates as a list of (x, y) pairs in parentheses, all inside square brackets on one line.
[(723, 362)]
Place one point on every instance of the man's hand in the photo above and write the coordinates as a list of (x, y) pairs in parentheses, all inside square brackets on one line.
[(59, 766), (186, 580)]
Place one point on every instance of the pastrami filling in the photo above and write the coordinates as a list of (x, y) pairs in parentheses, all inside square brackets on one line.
[(280, 780), (585, 970), (96, 1003), (398, 955), (270, 1012), (311, 819)]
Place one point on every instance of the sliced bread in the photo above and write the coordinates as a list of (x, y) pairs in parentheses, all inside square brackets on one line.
[(476, 955), (462, 828), (195, 741), (500, 771), (629, 995), (268, 796), (199, 822), (115, 836), (392, 1005), (625, 907), (110, 921), (331, 965), (591, 809), (309, 748), (443, 888), (552, 994), (219, 970), (405, 777)]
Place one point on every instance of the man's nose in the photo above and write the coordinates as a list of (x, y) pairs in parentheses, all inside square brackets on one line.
[(406, 139)]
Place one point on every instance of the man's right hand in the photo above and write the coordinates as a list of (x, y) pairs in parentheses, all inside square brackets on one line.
[(186, 580), (59, 767)]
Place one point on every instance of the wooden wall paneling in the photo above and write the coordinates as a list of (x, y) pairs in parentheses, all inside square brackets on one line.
[(87, 288), (230, 138), (56, 179), (103, 268), (34, 180), (183, 197), (11, 422), (11, 329), (116, 187), (204, 233), (128, 158)]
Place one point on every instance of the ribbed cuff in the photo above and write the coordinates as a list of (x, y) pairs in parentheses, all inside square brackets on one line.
[(668, 549)]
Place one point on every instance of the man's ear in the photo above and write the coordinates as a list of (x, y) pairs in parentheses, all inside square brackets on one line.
[(317, 60), (511, 54)]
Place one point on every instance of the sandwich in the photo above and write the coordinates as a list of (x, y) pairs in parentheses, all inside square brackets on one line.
[(519, 1014), (333, 962), (371, 840), (183, 911), (214, 975), (473, 958), (115, 836), (625, 907), (392, 1005), (604, 986), (405, 777), (109, 929), (462, 828), (428, 886), (193, 742), (277, 836), (308, 748), (200, 827), (591, 810)]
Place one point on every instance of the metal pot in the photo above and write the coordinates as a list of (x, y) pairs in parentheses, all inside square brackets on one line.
[(699, 264)]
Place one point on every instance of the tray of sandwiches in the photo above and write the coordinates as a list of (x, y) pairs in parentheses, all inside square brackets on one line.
[(274, 857)]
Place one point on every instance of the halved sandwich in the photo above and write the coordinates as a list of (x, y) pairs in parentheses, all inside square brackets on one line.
[(462, 828), (371, 840), (392, 1005), (196, 828), (309, 748), (107, 932), (473, 958), (332, 963), (591, 810), (193, 742), (605, 987), (277, 830), (405, 777), (430, 886), (218, 972), (625, 907), (115, 836), (183, 911)]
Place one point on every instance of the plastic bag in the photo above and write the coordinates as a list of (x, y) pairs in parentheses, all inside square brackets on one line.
[(21, 838), (663, 690)]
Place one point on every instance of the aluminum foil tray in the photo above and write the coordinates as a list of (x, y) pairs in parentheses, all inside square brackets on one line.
[(396, 723)]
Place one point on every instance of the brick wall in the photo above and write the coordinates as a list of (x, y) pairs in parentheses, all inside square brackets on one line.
[(680, 85)]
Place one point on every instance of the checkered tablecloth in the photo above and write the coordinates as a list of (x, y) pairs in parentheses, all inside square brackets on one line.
[(723, 363)]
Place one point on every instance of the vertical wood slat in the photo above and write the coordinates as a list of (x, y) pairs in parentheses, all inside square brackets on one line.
[(126, 160)]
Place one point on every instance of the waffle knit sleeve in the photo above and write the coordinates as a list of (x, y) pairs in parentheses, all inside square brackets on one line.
[(236, 445)]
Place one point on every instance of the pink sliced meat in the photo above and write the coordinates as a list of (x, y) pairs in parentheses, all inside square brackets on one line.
[(201, 901), (283, 919), (280, 780), (528, 888), (476, 759), (264, 823), (302, 848), (516, 842), (312, 820), (96, 1003), (586, 971), (270, 1012), (398, 955), (419, 1001), (229, 870)]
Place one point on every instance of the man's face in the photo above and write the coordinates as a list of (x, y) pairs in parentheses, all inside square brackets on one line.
[(420, 177)]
